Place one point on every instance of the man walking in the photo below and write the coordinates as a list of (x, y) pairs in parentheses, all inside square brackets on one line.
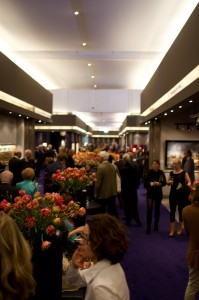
[(105, 186)]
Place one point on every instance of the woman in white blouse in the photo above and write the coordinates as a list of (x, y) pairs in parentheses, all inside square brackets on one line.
[(103, 241)]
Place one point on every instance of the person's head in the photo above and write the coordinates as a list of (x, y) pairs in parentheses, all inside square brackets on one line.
[(6, 177), (103, 156), (16, 277), (111, 158), (28, 173), (107, 239), (17, 153), (188, 153), (49, 160), (127, 157), (71, 152), (28, 154), (62, 159), (177, 164), (155, 165)]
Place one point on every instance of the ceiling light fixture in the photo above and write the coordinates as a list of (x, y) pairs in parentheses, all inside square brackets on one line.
[(76, 13), (89, 64), (92, 76), (84, 44)]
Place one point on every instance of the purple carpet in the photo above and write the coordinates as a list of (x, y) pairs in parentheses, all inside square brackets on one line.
[(155, 264)]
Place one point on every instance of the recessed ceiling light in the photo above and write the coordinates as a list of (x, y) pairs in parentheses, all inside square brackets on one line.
[(95, 86), (39, 121), (27, 117), (92, 76), (84, 44), (190, 101), (172, 110), (19, 115), (180, 106), (165, 114), (10, 112), (89, 64), (76, 13)]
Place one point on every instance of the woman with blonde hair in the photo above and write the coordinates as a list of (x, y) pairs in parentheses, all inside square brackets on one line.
[(16, 279), (178, 196), (28, 185)]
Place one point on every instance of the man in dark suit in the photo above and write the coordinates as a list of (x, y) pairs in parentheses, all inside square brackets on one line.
[(130, 180), (7, 190), (106, 186), (15, 167)]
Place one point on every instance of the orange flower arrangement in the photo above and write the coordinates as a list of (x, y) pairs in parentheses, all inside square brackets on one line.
[(41, 217)]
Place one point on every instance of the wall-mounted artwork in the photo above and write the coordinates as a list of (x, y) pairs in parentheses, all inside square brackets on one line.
[(6, 152), (176, 149)]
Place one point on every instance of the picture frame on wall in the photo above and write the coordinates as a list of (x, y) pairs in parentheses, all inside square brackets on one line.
[(176, 149)]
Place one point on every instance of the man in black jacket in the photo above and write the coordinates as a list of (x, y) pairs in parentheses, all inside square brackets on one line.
[(14, 165)]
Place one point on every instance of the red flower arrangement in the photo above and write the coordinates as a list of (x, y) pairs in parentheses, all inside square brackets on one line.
[(74, 180), (42, 216)]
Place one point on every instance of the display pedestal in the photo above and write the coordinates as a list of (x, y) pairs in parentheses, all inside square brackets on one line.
[(47, 269)]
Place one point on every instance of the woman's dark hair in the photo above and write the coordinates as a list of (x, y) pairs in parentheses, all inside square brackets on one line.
[(108, 238)]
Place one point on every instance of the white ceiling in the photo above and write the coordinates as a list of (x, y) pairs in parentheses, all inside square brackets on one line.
[(126, 40)]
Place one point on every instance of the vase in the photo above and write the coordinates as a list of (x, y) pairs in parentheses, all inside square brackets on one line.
[(47, 270)]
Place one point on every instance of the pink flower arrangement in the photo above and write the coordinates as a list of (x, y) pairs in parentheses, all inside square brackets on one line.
[(42, 216), (74, 180)]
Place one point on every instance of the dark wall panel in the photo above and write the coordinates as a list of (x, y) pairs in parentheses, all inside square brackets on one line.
[(17, 83), (181, 58)]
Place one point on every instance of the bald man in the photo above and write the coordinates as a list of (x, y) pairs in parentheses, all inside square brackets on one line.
[(7, 190)]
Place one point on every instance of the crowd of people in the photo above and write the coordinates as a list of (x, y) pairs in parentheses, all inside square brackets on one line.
[(103, 239)]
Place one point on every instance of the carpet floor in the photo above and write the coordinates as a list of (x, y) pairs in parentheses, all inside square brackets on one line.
[(155, 264)]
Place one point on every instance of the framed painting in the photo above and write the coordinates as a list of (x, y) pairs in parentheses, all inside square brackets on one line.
[(176, 149)]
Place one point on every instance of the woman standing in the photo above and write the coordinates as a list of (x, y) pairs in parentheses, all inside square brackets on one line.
[(178, 180), (155, 180)]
